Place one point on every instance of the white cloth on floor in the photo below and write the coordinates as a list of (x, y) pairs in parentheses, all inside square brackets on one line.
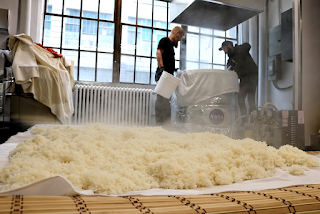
[(49, 79), (201, 84)]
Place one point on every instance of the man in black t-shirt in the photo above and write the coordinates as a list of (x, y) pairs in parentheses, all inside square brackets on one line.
[(166, 62), (242, 63)]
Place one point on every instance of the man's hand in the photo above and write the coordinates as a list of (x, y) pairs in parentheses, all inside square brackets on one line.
[(231, 64), (158, 73)]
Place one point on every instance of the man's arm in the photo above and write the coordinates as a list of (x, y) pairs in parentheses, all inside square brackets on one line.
[(159, 58), (231, 64)]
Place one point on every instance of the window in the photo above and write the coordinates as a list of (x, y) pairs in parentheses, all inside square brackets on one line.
[(84, 32), (203, 47), (144, 23), (106, 37), (106, 50)]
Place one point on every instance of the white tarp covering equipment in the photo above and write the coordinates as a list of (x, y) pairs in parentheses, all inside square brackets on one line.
[(201, 84)]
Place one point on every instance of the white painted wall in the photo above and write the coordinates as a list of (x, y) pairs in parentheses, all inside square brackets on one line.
[(283, 99), (285, 5), (13, 6)]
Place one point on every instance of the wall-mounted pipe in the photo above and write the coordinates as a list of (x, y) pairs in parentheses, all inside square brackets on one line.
[(263, 55), (297, 56), (25, 16)]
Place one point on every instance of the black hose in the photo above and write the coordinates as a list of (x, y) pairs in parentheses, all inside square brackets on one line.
[(277, 87)]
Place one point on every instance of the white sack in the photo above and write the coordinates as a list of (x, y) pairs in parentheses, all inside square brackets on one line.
[(201, 84)]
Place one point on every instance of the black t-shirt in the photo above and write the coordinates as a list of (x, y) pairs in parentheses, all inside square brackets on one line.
[(168, 54)]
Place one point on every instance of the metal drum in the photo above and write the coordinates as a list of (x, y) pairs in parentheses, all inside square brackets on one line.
[(215, 115)]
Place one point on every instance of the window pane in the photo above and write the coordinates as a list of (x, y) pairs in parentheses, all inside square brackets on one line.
[(73, 55), (234, 42), (106, 10), (106, 36), (157, 36), (104, 67), (56, 50), (218, 56), (153, 70), (192, 47), (54, 6), (177, 52), (142, 70), (52, 31), (206, 31), (193, 29), (205, 66), (219, 33), (192, 65), (219, 67), (88, 35), (128, 11), (87, 66), (206, 49), (127, 69), (72, 7), (177, 64), (232, 33), (71, 33), (90, 8), (144, 42), (145, 12), (128, 39), (160, 15)]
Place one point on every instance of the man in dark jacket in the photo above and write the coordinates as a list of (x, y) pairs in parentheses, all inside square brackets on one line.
[(242, 63), (166, 62)]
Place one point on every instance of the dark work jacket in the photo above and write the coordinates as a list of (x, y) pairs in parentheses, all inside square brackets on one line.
[(245, 65)]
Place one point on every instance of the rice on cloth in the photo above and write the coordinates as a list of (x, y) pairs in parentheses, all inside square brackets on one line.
[(114, 160)]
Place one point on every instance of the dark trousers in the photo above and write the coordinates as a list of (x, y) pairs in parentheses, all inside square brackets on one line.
[(248, 86), (163, 111)]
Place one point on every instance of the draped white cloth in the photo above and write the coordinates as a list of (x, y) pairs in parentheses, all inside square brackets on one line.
[(49, 79)]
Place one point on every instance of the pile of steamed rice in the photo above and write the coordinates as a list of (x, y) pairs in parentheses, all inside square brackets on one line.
[(114, 160)]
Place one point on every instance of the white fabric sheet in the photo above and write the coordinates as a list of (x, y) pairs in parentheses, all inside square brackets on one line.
[(59, 186), (49, 79), (201, 84)]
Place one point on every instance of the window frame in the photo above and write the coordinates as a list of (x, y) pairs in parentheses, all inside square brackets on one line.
[(137, 26), (81, 18), (117, 25), (213, 36)]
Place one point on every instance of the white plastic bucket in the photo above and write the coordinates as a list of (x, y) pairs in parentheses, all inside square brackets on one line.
[(166, 85)]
